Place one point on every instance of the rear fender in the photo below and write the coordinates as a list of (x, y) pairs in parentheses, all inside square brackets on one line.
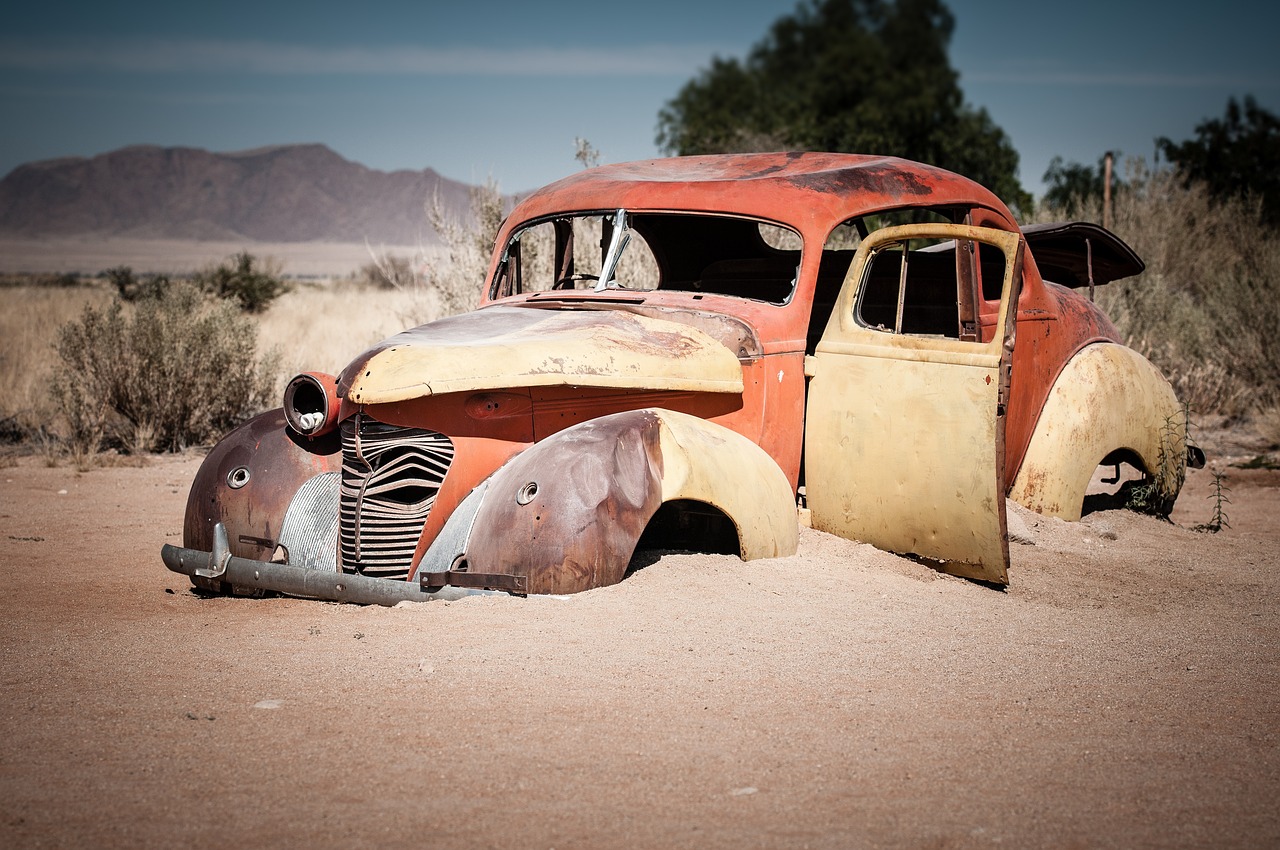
[(567, 513), (1107, 398)]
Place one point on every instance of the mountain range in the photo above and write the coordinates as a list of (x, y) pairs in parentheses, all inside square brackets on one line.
[(288, 193)]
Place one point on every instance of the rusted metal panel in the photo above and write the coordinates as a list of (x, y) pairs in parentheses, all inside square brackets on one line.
[(1104, 258), (505, 415), (732, 332), (248, 481), (1053, 325), (804, 189), (558, 408), (703, 462), (501, 347), (567, 512)]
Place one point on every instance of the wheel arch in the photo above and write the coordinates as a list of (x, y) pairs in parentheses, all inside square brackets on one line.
[(1108, 401), (597, 486)]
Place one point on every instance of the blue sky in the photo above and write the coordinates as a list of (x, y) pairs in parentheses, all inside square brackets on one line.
[(485, 88)]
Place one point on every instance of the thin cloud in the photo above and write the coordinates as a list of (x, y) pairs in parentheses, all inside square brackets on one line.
[(185, 97), (166, 57), (1122, 79)]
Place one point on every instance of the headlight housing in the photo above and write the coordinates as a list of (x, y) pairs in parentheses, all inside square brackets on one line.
[(311, 404)]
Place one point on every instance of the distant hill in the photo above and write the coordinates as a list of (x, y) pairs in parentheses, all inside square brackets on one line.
[(290, 193)]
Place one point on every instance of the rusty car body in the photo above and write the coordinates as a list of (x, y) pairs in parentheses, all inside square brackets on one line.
[(672, 353)]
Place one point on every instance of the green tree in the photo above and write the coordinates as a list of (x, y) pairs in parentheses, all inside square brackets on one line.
[(864, 76), (1237, 156)]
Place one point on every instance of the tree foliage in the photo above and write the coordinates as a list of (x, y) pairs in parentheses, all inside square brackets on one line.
[(1236, 156), (864, 76)]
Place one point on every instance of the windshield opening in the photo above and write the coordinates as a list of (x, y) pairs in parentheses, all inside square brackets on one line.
[(636, 251)]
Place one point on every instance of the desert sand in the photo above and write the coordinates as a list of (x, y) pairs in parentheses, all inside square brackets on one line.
[(1122, 692)]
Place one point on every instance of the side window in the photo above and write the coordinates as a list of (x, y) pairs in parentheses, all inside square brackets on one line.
[(991, 265), (919, 292)]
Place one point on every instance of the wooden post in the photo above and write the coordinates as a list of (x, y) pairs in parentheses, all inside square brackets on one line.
[(1106, 191)]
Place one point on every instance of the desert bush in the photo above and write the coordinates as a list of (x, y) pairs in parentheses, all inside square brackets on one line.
[(1206, 308), (176, 369), (245, 280), (131, 287), (30, 317), (387, 271)]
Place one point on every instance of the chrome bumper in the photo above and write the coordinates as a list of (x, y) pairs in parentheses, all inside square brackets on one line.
[(294, 580)]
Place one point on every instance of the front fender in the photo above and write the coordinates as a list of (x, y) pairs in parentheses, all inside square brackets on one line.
[(1108, 397), (567, 513), (248, 481)]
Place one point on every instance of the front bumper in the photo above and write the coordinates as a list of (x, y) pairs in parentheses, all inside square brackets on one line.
[(221, 565)]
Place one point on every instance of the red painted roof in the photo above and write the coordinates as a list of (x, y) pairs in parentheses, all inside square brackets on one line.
[(803, 189)]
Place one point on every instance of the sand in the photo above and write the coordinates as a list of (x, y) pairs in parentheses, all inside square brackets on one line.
[(1122, 692)]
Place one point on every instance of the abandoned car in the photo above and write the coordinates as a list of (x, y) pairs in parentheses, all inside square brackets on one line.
[(673, 354)]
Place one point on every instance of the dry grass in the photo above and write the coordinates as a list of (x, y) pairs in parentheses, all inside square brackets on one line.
[(1206, 309), (1267, 424), (316, 327), (322, 327), (29, 322)]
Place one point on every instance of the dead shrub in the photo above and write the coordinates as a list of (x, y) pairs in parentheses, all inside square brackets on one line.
[(447, 280), (177, 369), (387, 271), (1206, 308)]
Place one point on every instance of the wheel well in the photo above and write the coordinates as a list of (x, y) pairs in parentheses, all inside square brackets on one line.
[(1113, 480), (691, 526)]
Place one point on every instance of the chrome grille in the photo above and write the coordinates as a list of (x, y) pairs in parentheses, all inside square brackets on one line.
[(309, 532), (390, 477)]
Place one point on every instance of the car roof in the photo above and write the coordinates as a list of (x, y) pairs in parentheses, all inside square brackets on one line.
[(807, 190)]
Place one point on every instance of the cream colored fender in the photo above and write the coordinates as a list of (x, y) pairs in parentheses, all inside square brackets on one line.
[(709, 463), (565, 514), (1107, 397)]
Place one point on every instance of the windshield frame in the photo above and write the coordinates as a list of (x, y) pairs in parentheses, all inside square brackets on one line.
[(679, 256)]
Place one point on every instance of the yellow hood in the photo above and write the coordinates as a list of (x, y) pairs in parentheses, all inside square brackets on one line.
[(501, 347)]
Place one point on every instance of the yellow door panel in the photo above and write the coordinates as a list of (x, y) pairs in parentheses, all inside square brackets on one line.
[(905, 431)]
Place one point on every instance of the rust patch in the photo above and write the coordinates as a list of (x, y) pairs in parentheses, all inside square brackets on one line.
[(882, 177), (567, 513), (278, 461)]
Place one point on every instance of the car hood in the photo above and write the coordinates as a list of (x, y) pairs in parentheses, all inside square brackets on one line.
[(501, 347)]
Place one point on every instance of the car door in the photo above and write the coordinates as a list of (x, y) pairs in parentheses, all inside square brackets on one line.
[(904, 441)]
